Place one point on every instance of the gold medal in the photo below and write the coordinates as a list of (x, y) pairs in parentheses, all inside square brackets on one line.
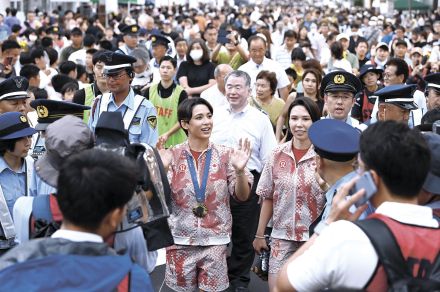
[(200, 210)]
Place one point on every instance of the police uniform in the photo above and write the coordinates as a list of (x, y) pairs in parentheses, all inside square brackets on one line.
[(157, 40), (13, 183), (138, 113), (432, 82), (336, 141), (48, 111), (400, 95), (128, 30), (338, 81)]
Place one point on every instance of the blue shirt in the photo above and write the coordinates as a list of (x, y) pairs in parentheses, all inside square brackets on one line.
[(39, 187), (142, 129), (331, 192), (13, 183)]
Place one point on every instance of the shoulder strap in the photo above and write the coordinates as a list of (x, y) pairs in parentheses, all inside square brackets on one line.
[(29, 172), (129, 114), (386, 248), (5, 218), (103, 105)]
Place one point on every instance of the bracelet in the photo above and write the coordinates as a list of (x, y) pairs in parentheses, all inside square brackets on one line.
[(260, 237)]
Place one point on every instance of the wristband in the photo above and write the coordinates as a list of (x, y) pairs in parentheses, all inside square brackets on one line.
[(239, 173), (259, 237)]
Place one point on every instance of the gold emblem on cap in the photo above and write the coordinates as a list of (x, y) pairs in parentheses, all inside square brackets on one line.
[(42, 111), (23, 119), (55, 29), (153, 39), (339, 79), (134, 29)]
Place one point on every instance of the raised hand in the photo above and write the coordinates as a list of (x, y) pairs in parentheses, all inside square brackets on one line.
[(165, 154), (240, 156)]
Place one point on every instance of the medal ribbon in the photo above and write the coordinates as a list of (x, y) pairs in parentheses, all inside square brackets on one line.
[(199, 190)]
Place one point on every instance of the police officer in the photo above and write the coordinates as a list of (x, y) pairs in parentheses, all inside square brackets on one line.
[(159, 45), (432, 91), (15, 170), (339, 89), (48, 111), (13, 95), (396, 102), (337, 145), (138, 113), (130, 37)]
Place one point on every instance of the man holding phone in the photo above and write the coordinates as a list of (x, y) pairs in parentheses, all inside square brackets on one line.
[(10, 54), (341, 256)]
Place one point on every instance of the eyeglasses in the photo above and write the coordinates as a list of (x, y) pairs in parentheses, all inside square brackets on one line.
[(114, 77)]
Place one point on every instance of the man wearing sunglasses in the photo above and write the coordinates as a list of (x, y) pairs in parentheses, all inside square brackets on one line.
[(138, 113)]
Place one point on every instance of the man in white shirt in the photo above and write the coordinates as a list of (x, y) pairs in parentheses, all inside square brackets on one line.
[(258, 62), (340, 255), (215, 94), (238, 121)]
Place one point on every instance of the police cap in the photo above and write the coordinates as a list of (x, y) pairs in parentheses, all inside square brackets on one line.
[(53, 30), (49, 111), (130, 29), (433, 81), (334, 140), (115, 62), (14, 125), (398, 94), (158, 39), (340, 81), (14, 88)]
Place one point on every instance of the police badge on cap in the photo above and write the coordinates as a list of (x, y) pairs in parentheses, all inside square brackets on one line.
[(340, 81), (14, 88), (117, 61)]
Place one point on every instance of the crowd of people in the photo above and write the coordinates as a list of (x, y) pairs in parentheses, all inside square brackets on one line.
[(275, 131)]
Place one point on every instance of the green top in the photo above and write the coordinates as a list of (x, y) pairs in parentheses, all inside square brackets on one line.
[(167, 114)]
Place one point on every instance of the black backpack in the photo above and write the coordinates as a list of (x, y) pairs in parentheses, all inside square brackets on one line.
[(399, 276)]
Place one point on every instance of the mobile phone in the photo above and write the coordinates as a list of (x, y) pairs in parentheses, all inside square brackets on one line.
[(366, 182), (222, 37)]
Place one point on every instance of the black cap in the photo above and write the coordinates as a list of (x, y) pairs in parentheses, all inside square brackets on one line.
[(130, 29), (76, 31), (369, 68), (398, 94), (49, 111), (340, 81), (433, 81), (401, 42), (334, 140), (14, 88), (53, 30), (158, 39), (59, 80), (110, 129), (115, 62)]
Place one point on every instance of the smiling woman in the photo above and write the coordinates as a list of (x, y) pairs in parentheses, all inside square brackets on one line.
[(203, 176), (291, 194)]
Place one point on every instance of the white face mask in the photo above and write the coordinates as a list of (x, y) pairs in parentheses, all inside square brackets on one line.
[(196, 55), (32, 38)]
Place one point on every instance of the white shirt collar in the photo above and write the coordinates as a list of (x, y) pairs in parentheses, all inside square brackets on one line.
[(408, 213), (77, 236)]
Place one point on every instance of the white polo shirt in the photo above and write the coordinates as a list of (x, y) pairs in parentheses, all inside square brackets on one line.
[(253, 69), (342, 256), (250, 123)]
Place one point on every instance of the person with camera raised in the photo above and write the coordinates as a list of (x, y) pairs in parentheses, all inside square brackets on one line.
[(139, 114), (203, 176)]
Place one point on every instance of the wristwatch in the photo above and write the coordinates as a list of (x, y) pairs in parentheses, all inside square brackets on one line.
[(320, 227)]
